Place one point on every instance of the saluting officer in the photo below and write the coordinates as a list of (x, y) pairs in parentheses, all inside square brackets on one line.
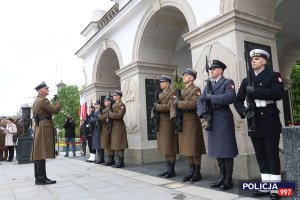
[(105, 136), (221, 138), (167, 140), (267, 88), (118, 134), (191, 142), (44, 138)]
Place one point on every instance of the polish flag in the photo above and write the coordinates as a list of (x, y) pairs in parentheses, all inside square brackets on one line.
[(83, 106)]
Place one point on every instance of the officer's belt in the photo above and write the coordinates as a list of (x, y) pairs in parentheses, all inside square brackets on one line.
[(187, 111), (44, 118), (216, 107)]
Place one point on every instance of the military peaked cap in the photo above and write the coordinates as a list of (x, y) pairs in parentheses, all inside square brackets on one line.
[(217, 64), (98, 102), (40, 86), (259, 53), (117, 93), (107, 98), (165, 78), (190, 72)]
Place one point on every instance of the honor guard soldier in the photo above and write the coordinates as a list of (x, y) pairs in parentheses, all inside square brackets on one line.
[(167, 140), (221, 136), (96, 138), (118, 133), (44, 138), (191, 142), (105, 135), (265, 89), (89, 131)]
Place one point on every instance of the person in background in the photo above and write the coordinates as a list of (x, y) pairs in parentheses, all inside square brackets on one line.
[(3, 148), (70, 126), (96, 134), (82, 137), (88, 132), (267, 88), (10, 130)]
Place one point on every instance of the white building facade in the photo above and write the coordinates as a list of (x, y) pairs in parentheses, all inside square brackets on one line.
[(137, 41)]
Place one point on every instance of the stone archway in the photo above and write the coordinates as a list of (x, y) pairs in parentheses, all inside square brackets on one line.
[(161, 40), (172, 9)]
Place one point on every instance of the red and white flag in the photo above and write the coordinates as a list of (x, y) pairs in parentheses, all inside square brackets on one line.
[(82, 110)]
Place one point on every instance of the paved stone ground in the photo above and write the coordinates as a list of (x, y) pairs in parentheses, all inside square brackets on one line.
[(77, 179)]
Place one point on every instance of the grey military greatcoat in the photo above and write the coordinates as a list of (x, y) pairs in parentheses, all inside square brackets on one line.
[(221, 139)]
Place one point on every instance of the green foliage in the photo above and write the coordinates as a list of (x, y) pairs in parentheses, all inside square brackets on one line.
[(69, 98), (177, 83), (295, 90)]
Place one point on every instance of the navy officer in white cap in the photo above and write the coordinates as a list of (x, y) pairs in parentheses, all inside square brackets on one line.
[(43, 140), (267, 88)]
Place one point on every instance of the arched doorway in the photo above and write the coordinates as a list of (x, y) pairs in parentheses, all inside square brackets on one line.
[(162, 41)]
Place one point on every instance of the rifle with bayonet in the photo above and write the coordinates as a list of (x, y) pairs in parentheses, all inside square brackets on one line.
[(179, 115), (109, 120), (207, 102), (155, 115), (249, 99)]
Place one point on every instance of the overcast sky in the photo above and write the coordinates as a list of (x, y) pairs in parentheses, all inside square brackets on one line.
[(38, 41)]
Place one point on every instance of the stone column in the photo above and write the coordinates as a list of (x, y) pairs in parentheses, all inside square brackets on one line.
[(291, 138), (133, 76)]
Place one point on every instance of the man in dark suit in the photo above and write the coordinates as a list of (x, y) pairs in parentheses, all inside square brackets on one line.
[(221, 138), (267, 88)]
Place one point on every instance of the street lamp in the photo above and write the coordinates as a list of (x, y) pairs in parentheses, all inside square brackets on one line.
[(24, 143)]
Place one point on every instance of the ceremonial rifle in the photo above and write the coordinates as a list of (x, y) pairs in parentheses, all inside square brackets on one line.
[(207, 103), (249, 99)]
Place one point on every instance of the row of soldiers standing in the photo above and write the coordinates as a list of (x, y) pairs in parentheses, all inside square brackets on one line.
[(266, 89), (105, 130)]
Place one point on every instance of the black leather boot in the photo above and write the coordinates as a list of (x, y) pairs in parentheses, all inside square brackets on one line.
[(228, 184), (171, 172), (190, 174), (97, 159), (41, 178), (120, 163), (102, 161), (220, 181), (166, 170), (111, 161), (197, 175)]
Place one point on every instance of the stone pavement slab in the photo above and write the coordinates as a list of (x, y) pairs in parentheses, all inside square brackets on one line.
[(77, 179)]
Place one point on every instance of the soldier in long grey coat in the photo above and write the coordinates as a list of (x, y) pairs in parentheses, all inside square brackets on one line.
[(191, 142), (96, 139), (167, 139), (118, 135), (43, 140), (221, 138)]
